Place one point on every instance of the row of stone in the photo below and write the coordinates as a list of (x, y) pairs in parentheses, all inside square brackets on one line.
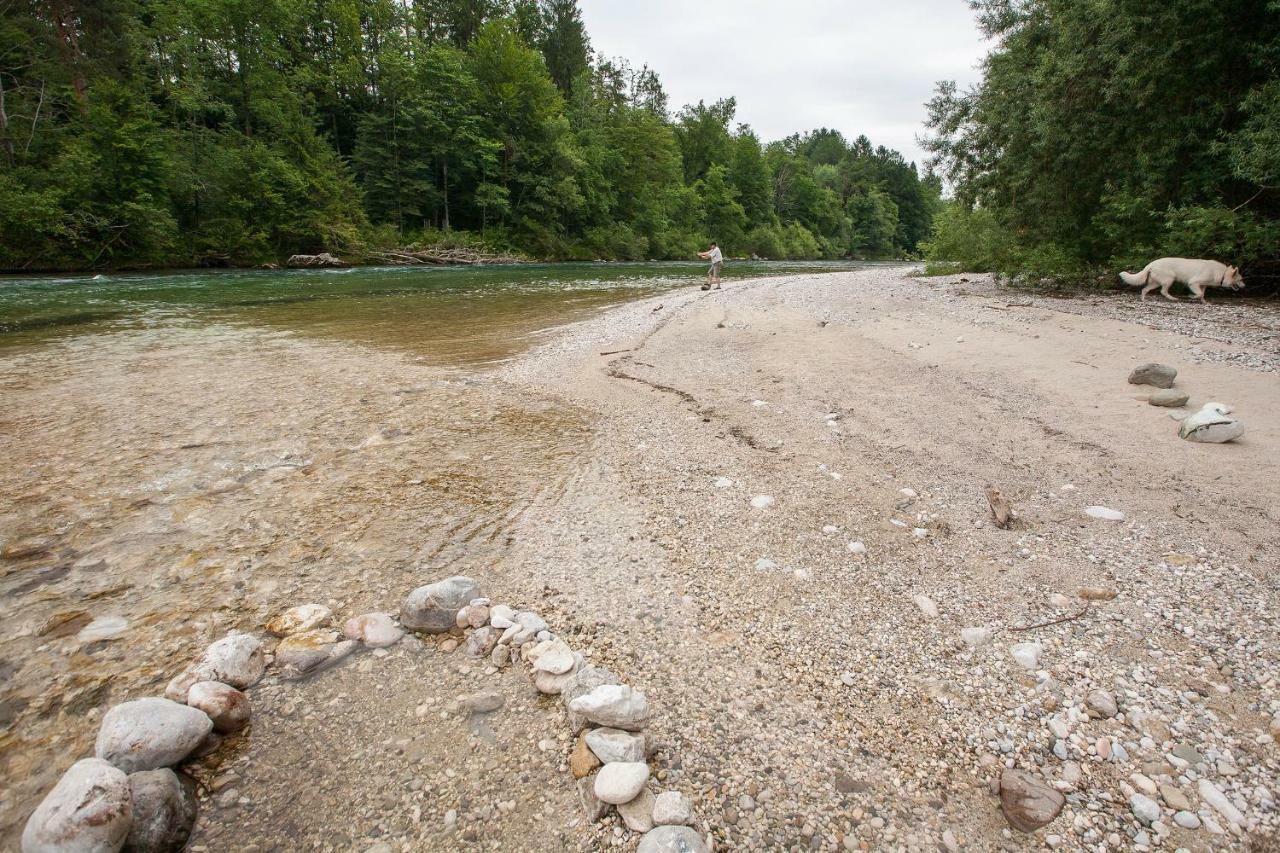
[(127, 796), (610, 756)]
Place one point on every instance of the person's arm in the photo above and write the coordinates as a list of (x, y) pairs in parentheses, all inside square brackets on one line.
[(704, 255)]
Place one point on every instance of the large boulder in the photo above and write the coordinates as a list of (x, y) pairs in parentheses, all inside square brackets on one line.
[(88, 811), (164, 811), (147, 734), (434, 608), (613, 705), (1028, 803), (321, 261)]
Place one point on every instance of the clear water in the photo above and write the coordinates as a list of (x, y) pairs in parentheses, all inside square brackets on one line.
[(466, 315)]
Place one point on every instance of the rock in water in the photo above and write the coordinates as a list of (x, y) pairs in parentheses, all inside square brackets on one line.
[(434, 608), (613, 705), (672, 839), (638, 814), (164, 811), (1152, 373), (621, 781), (311, 651), (227, 707), (581, 683), (1028, 803), (375, 630), (237, 659), (146, 734), (1168, 398), (90, 809), (672, 808), (1211, 425), (615, 745), (295, 620)]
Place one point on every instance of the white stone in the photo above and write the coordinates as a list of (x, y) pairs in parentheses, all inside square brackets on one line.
[(672, 839), (375, 630), (723, 482), (926, 605), (610, 745), (553, 656), (1103, 513), (149, 733), (227, 707), (762, 501), (103, 628), (975, 636), (501, 617), (907, 493), (295, 620), (237, 659), (614, 705), (1027, 655), (1186, 820), (672, 808), (1212, 795), (1144, 808), (89, 810), (621, 781), (829, 529), (856, 547)]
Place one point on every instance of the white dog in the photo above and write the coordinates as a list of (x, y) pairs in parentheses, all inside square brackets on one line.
[(1195, 274)]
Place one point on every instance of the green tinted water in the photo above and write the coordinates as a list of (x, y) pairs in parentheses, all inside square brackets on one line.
[(468, 315)]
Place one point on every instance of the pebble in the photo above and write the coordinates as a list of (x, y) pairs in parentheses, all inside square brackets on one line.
[(1028, 803), (1027, 655), (433, 608), (295, 620), (1101, 704), (146, 734), (611, 745), (1168, 398), (638, 813), (672, 808), (90, 809), (481, 642), (583, 760), (1144, 808), (926, 605), (1212, 795), (762, 501), (579, 684), (553, 656), (621, 781), (501, 617), (311, 651), (975, 636), (1104, 513), (103, 628), (592, 806), (857, 547)]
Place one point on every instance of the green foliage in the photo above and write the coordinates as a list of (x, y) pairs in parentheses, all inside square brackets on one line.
[(192, 132), (1105, 134)]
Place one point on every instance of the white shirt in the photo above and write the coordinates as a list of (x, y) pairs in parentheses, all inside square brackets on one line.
[(716, 257)]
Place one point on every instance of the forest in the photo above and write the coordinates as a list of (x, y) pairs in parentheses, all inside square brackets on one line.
[(148, 133), (1105, 134)]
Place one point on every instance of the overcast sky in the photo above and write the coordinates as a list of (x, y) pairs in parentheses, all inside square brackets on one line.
[(854, 65)]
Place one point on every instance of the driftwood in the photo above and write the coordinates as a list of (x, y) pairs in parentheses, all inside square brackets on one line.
[(440, 256), (1000, 509), (324, 259)]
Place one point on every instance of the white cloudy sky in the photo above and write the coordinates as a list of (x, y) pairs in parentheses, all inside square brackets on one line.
[(855, 65)]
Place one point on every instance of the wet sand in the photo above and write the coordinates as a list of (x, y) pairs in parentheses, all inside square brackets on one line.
[(195, 480)]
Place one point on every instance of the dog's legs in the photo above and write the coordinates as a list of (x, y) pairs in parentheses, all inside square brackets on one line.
[(1164, 289), (1197, 292), (1151, 285)]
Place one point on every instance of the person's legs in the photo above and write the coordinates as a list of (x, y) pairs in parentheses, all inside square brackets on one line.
[(715, 273)]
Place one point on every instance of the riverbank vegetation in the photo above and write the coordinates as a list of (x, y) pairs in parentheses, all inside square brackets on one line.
[(1104, 135), (208, 132)]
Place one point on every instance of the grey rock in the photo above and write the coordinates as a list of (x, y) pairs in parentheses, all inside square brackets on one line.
[(434, 608), (482, 703), (375, 630), (526, 627), (227, 707), (164, 811), (592, 807), (88, 811), (1144, 808), (1153, 373), (1168, 398), (1186, 820), (481, 642), (581, 683), (672, 808), (146, 734), (311, 651), (615, 705), (551, 684), (1028, 803), (553, 656), (672, 839), (621, 781), (1101, 704), (638, 813), (616, 745)]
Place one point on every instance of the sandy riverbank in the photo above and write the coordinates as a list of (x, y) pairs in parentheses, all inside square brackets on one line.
[(200, 480)]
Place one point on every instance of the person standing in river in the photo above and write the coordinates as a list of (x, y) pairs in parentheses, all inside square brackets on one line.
[(717, 264)]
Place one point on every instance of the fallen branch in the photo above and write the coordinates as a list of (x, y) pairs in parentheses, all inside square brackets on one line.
[(615, 351), (1073, 618)]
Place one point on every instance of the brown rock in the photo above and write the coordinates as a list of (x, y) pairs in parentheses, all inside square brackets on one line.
[(1096, 593), (582, 761), (1028, 803)]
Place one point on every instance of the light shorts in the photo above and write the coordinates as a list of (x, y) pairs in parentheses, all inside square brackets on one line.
[(715, 269)]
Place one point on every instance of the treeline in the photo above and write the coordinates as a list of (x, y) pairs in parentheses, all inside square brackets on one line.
[(179, 132), (1106, 134)]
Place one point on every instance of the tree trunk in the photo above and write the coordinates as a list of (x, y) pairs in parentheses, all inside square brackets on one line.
[(5, 142), (445, 167), (70, 43)]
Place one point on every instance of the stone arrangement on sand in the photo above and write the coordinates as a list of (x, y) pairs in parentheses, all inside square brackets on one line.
[(129, 797), (1212, 424)]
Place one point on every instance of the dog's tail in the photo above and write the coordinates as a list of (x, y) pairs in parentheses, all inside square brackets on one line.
[(1136, 279)]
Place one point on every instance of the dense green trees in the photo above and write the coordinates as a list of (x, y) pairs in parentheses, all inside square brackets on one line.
[(1104, 134), (150, 132)]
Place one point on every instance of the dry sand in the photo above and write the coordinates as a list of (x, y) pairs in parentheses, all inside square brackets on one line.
[(196, 480)]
